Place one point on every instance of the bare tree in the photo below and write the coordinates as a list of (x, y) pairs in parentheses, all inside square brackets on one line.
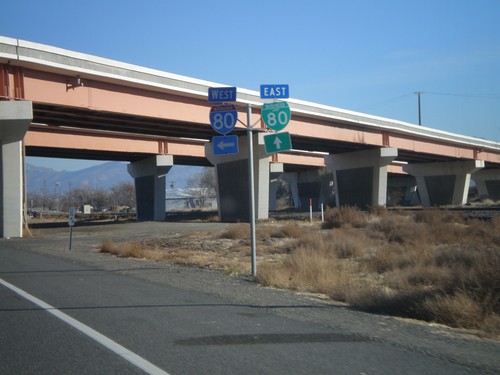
[(122, 194), (203, 185), (42, 200)]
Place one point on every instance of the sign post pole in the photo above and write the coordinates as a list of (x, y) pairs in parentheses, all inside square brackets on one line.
[(251, 189), (71, 223)]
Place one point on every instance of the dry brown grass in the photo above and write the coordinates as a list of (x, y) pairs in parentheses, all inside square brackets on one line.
[(431, 265), (309, 270), (237, 232), (344, 217)]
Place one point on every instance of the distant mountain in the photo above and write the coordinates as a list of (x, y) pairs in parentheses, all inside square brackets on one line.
[(102, 176)]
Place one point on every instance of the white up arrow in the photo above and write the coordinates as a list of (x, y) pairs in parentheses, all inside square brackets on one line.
[(277, 143)]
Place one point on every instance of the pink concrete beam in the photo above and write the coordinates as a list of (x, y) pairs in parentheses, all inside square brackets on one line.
[(42, 136)]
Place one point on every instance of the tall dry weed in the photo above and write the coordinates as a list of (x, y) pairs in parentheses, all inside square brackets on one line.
[(237, 232), (399, 229), (343, 217), (347, 244), (433, 216), (458, 310), (310, 269)]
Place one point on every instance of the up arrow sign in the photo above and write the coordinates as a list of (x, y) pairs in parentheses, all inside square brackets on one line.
[(277, 142)]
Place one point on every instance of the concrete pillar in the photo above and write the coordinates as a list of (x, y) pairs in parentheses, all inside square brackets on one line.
[(15, 118), (314, 183), (275, 171), (402, 190), (488, 183), (443, 183), (292, 178), (232, 180), (149, 179), (361, 177)]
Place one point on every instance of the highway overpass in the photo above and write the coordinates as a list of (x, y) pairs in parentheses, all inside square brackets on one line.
[(60, 103)]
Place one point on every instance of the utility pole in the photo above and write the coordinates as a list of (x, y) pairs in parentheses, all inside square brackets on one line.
[(419, 111)]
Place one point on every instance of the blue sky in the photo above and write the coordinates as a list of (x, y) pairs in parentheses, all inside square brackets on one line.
[(367, 56)]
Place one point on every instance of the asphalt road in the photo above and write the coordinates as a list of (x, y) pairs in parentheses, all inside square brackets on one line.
[(84, 312)]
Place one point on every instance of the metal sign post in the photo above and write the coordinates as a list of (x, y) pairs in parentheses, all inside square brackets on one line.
[(71, 223), (223, 119), (251, 189)]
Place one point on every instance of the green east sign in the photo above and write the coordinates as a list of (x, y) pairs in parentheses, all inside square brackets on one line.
[(276, 115)]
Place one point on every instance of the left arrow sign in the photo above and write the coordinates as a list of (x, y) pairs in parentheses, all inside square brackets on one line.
[(225, 145)]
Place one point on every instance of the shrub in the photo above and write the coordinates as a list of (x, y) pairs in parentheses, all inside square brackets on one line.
[(420, 275), (436, 216), (379, 211), (293, 230), (347, 244), (457, 310), (236, 232), (399, 229), (343, 217), (385, 301)]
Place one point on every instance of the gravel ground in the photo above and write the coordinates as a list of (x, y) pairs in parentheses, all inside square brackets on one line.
[(460, 346)]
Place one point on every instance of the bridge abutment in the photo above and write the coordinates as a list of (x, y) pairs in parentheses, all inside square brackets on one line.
[(488, 183), (443, 183), (402, 190), (275, 171), (361, 177), (232, 180), (313, 184), (15, 118), (149, 180)]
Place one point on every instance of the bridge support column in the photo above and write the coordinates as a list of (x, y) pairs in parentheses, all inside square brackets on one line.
[(149, 179), (444, 183), (488, 183), (232, 180), (292, 179), (15, 118), (402, 191), (275, 170), (361, 177), (312, 184)]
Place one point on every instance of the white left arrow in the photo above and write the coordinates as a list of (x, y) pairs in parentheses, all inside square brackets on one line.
[(221, 145), (277, 143)]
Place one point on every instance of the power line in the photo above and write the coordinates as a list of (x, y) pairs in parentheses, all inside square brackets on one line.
[(477, 96), (387, 101)]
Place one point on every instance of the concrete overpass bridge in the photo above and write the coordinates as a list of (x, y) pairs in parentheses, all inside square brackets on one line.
[(59, 103)]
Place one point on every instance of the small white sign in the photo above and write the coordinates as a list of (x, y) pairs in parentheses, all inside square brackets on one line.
[(71, 217)]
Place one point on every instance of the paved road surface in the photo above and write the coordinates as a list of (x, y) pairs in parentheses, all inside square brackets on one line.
[(146, 316)]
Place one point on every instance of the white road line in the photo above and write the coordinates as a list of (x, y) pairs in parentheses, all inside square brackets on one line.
[(93, 334)]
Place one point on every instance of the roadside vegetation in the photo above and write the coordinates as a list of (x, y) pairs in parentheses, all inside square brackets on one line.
[(431, 265)]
